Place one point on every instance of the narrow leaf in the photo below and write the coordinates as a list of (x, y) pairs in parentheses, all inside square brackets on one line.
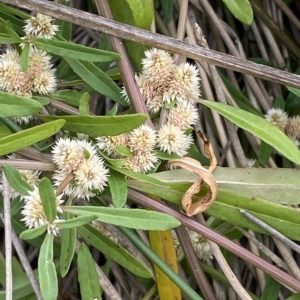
[(241, 9), (113, 250), (68, 242), (13, 105), (259, 127), (25, 57), (84, 104), (132, 218), (48, 198), (264, 152), (25, 138), (162, 244), (47, 271), (87, 274), (97, 79), (16, 180), (95, 126), (33, 233), (75, 51), (118, 188), (271, 289), (75, 222)]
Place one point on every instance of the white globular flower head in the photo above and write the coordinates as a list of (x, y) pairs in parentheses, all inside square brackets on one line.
[(40, 26), (277, 117), (109, 143), (172, 139), (199, 243), (34, 215), (142, 139), (11, 55), (185, 83), (140, 163), (183, 115), (44, 82), (158, 65), (67, 155), (39, 61), (292, 130)]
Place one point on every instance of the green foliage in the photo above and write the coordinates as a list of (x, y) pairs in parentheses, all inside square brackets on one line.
[(271, 290), (241, 9), (118, 188), (87, 274)]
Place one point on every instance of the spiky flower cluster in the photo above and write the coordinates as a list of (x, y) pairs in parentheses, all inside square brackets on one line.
[(40, 76), (140, 144), (31, 176), (289, 125), (34, 214), (199, 243), (80, 158)]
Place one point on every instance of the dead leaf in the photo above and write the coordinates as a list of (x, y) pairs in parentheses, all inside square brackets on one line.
[(202, 204), (208, 149)]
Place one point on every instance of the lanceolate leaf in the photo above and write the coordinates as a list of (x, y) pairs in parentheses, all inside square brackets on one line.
[(132, 218), (47, 271), (87, 274), (16, 180), (97, 79), (48, 198), (33, 233), (241, 9), (280, 186), (259, 127), (112, 250), (13, 105), (75, 51), (25, 138), (118, 188), (96, 126)]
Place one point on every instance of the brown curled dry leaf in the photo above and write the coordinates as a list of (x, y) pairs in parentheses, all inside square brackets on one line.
[(208, 149), (203, 203)]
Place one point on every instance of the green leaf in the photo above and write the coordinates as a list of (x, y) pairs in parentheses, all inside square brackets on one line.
[(12, 33), (42, 100), (75, 222), (47, 271), (48, 198), (13, 105), (95, 126), (15, 206), (68, 242), (84, 104), (87, 274), (165, 156), (4, 131), (241, 9), (259, 127), (271, 289), (131, 218), (25, 138), (279, 186), (167, 6), (14, 11), (65, 28), (71, 97), (112, 250), (75, 51), (293, 90), (16, 180), (264, 152), (97, 79), (294, 297), (118, 188), (25, 57), (6, 39), (113, 111), (242, 101), (123, 151), (33, 233)]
